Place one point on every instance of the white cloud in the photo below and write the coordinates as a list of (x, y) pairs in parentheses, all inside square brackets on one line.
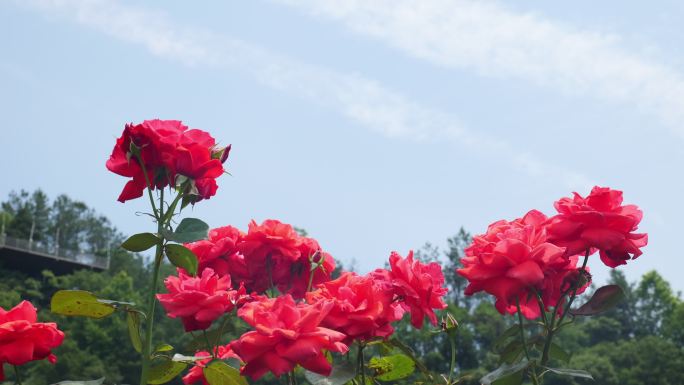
[(362, 100), (495, 41)]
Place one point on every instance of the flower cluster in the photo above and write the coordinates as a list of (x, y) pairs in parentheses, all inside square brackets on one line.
[(22, 339), (531, 262), (306, 312), (268, 255), (167, 153)]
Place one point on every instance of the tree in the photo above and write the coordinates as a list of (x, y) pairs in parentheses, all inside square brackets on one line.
[(30, 215), (654, 304)]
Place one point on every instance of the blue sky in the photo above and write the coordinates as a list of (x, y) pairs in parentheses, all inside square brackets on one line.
[(376, 125)]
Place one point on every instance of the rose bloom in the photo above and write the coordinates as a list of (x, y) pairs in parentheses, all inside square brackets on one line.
[(599, 221), (286, 334), (200, 300), (512, 260), (22, 339), (168, 149), (419, 287), (363, 306), (269, 251), (195, 374), (297, 283), (218, 252)]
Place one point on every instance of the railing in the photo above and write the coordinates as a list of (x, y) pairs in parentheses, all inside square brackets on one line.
[(55, 252)]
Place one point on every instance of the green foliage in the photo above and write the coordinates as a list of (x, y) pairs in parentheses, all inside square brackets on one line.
[(140, 242), (639, 341), (393, 367), (220, 373), (79, 303), (165, 371), (181, 256), (603, 299), (188, 230)]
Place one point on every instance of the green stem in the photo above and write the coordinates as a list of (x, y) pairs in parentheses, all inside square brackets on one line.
[(452, 366), (360, 367), (157, 214), (172, 208), (533, 374), (522, 329), (542, 309), (220, 334), (152, 300), (16, 373), (209, 345), (551, 328)]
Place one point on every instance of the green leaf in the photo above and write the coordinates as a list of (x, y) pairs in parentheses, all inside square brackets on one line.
[(163, 348), (570, 372), (165, 372), (342, 373), (133, 321), (392, 368), (604, 298), (99, 381), (503, 371), (511, 352), (79, 303), (508, 333), (220, 373), (189, 230), (140, 242), (513, 331), (513, 379), (409, 352), (556, 352), (181, 256)]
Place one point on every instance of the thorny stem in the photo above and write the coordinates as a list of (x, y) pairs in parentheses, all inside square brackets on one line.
[(533, 374), (552, 329), (360, 367), (218, 338), (16, 373), (452, 366), (157, 214), (291, 378), (542, 310), (158, 258), (209, 346)]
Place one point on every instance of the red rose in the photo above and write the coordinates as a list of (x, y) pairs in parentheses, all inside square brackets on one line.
[(22, 339), (218, 252), (419, 287), (168, 149), (300, 272), (195, 161), (599, 221), (199, 300), (287, 334), (269, 251), (195, 374), (363, 306), (512, 260)]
